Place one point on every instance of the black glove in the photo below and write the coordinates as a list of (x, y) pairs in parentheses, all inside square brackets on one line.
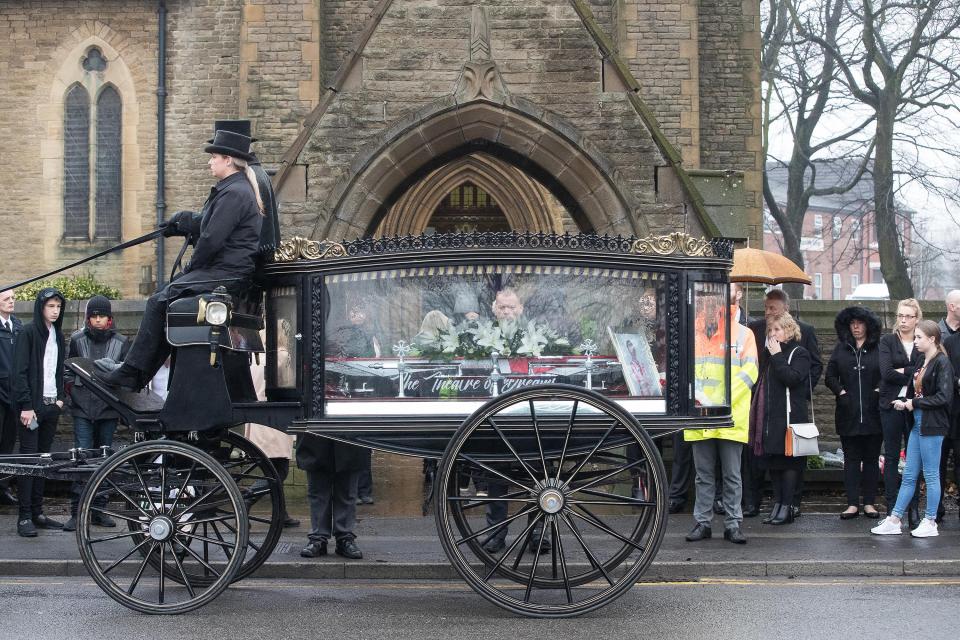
[(179, 224)]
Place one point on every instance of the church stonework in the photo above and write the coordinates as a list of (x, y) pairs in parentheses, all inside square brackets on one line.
[(513, 98)]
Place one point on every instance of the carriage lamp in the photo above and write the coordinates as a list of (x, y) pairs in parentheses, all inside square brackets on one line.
[(217, 313)]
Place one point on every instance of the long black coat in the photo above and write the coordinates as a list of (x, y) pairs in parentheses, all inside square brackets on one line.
[(781, 377), (226, 236), (315, 453), (8, 340), (951, 345), (856, 372), (893, 356)]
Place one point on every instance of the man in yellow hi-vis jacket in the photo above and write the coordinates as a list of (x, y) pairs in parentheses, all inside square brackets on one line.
[(723, 445)]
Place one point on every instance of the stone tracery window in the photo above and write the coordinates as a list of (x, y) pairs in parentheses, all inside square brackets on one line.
[(92, 137), (76, 163)]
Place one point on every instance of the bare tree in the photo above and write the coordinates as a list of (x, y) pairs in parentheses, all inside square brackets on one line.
[(802, 88), (901, 63)]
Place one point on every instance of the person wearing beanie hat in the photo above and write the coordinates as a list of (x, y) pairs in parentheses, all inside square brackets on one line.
[(225, 237), (94, 422), (38, 393)]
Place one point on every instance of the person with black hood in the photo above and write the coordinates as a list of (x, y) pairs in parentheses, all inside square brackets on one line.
[(853, 375), (226, 238), (94, 422), (10, 328), (39, 394)]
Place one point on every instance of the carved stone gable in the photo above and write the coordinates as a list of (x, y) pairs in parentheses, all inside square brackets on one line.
[(480, 78)]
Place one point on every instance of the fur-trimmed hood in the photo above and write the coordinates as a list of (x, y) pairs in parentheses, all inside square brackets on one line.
[(842, 325)]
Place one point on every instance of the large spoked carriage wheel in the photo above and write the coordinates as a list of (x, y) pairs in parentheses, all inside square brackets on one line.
[(164, 490), (575, 504), (262, 494)]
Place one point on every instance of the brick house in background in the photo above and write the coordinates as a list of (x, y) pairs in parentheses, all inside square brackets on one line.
[(839, 239)]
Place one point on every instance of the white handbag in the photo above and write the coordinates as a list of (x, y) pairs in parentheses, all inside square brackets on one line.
[(801, 437)]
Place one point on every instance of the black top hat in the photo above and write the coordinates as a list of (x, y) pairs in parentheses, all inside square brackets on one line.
[(237, 126), (231, 144)]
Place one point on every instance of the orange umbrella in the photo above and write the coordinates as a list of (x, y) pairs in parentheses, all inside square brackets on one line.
[(765, 267)]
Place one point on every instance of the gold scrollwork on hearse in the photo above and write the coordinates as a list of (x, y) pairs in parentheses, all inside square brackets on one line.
[(299, 248), (677, 242)]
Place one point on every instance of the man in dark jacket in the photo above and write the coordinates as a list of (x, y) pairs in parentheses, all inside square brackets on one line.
[(226, 237), (775, 304), (10, 327), (39, 394), (94, 422)]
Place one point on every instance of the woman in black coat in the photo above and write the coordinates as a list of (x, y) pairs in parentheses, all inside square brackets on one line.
[(853, 375), (786, 370), (898, 361), (934, 387)]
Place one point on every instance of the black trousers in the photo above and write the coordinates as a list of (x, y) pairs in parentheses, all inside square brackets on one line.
[(861, 451), (752, 474), (9, 419), (39, 440), (333, 504), (896, 426), (150, 348), (365, 482), (950, 446)]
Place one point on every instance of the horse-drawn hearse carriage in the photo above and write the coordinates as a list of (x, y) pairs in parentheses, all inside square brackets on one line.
[(536, 370)]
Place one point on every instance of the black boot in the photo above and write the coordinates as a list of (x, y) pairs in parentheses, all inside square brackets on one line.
[(913, 515), (123, 376), (784, 515), (773, 513)]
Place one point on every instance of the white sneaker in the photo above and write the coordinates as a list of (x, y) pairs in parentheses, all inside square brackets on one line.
[(887, 528), (926, 529)]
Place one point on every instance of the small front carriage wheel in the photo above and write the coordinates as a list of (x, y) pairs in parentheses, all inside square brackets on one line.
[(569, 506), (164, 490)]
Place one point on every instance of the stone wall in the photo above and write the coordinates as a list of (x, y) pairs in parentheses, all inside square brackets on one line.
[(41, 48), (730, 123)]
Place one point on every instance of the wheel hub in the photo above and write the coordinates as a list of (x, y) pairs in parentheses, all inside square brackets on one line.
[(551, 500), (160, 528)]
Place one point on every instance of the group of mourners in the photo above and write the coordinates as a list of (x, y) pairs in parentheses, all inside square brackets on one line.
[(892, 390)]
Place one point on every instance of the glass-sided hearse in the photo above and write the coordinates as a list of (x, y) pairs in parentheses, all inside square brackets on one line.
[(534, 371)]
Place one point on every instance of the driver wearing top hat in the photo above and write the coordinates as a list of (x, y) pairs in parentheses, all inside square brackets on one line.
[(226, 238)]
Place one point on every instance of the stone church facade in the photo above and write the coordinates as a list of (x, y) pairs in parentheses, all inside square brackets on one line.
[(631, 117)]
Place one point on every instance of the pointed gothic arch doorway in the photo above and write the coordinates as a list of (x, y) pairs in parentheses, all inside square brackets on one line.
[(476, 192)]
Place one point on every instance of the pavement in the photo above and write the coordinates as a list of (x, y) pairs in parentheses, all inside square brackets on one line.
[(405, 547)]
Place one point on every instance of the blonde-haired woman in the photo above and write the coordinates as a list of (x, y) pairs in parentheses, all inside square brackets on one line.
[(786, 371), (226, 237), (898, 362)]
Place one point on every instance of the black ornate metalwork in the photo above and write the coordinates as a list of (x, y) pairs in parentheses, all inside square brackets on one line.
[(674, 346), (316, 344), (677, 242)]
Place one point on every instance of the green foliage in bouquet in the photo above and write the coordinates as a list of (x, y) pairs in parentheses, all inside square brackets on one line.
[(78, 287)]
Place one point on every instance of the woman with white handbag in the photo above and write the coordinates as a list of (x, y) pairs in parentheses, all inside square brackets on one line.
[(780, 400), (933, 387)]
